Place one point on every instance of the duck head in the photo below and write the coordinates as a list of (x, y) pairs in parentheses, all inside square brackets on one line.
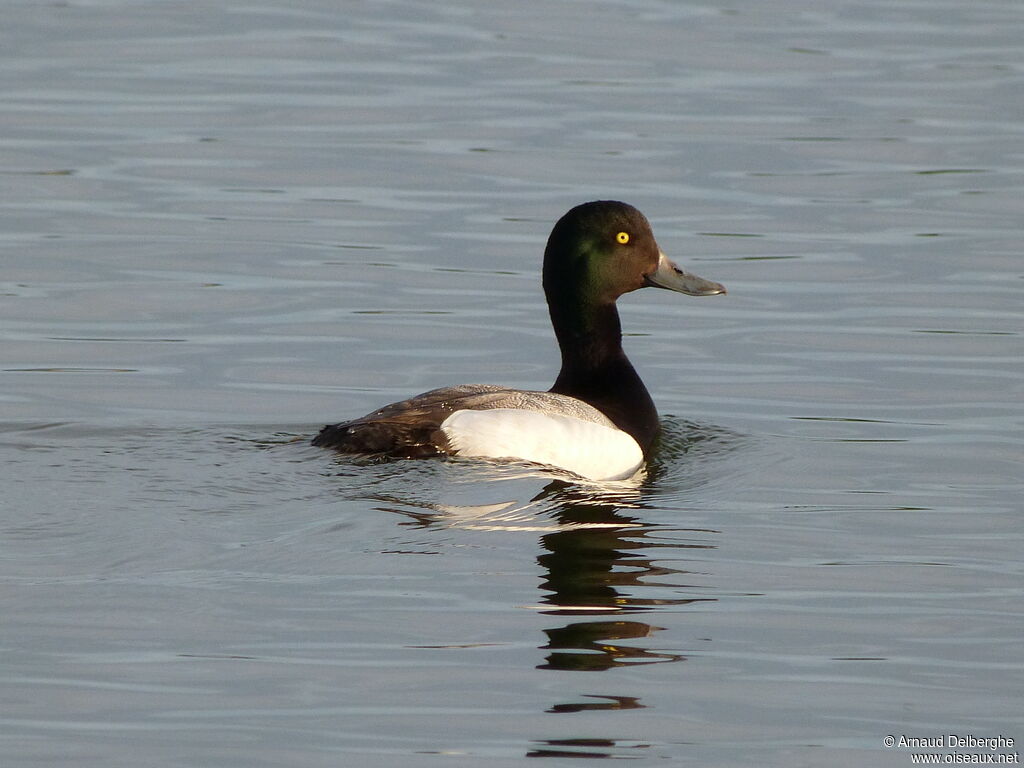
[(603, 249)]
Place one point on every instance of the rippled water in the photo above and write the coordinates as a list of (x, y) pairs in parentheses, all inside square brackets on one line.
[(224, 226)]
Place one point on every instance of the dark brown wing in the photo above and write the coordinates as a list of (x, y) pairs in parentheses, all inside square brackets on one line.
[(412, 428), (409, 428)]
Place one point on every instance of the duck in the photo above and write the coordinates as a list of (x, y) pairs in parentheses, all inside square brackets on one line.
[(597, 421)]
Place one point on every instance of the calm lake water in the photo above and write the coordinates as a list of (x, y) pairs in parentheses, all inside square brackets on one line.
[(223, 225)]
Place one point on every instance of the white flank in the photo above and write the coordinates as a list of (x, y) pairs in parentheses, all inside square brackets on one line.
[(584, 448)]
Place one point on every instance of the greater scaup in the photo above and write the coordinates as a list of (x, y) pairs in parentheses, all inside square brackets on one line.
[(598, 420)]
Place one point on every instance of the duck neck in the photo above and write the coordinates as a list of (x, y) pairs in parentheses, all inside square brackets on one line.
[(596, 370)]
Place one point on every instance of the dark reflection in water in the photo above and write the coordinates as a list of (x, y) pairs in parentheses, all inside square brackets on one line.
[(591, 646), (597, 562), (593, 748), (599, 703), (598, 554)]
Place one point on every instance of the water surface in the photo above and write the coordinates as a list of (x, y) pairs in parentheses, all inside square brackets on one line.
[(222, 227)]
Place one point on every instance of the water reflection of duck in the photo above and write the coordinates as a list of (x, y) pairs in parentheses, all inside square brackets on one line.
[(599, 565), (598, 420)]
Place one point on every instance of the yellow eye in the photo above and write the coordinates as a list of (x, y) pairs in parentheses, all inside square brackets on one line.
[(622, 238)]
